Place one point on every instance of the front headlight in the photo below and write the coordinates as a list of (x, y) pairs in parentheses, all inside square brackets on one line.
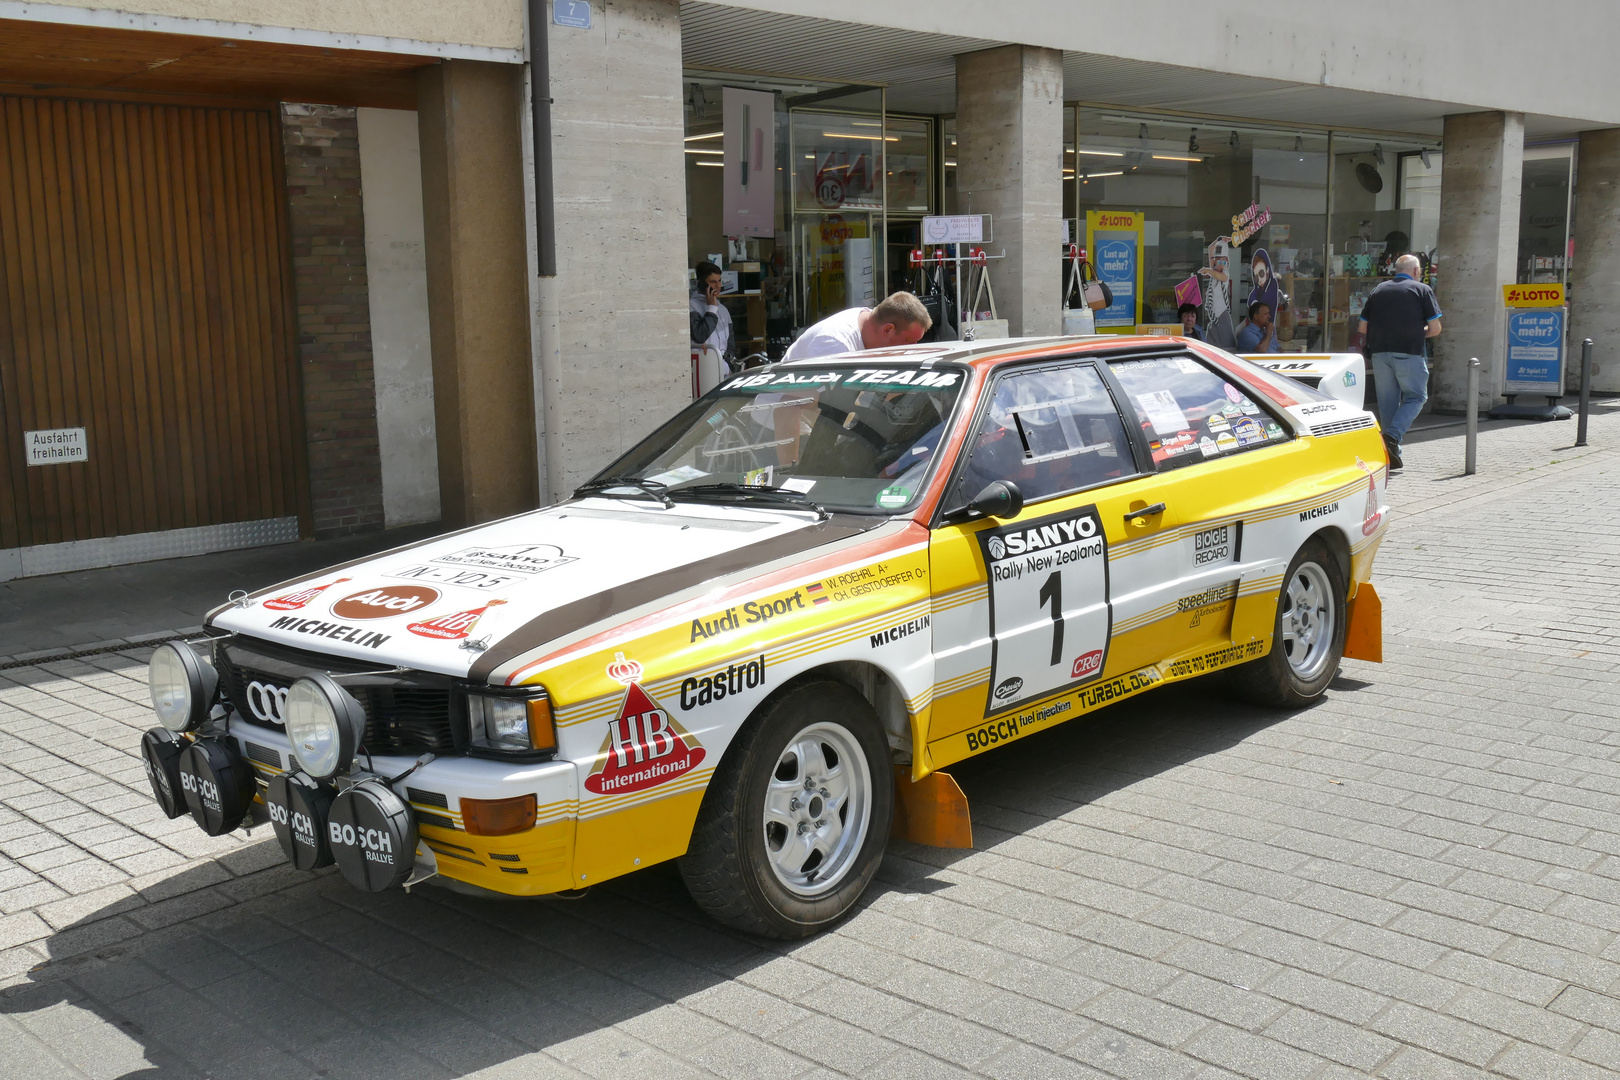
[(511, 724), (182, 685), (325, 724)]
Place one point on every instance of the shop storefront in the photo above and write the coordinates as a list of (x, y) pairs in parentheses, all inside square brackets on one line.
[(1318, 216), (836, 185)]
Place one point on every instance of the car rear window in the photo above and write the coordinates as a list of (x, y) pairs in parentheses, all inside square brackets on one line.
[(1191, 414)]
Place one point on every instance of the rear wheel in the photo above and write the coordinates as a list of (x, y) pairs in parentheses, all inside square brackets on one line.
[(1308, 640), (794, 823)]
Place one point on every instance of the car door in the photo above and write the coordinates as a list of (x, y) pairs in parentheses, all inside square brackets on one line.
[(1226, 458), (1024, 607)]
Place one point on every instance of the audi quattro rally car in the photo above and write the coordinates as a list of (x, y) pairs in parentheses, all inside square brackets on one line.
[(754, 640)]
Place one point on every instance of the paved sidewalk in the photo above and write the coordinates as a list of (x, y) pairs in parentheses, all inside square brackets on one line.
[(1419, 877)]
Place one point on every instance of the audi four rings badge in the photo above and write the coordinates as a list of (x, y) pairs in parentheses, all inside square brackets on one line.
[(268, 703)]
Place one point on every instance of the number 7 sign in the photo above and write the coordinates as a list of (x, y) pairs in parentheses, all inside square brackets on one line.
[(575, 13)]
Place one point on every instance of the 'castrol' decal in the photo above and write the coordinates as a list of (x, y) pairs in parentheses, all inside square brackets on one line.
[(644, 747), (295, 600), (452, 627)]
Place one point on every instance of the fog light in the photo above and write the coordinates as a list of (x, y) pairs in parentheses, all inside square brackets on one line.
[(325, 724), (498, 817), (182, 685)]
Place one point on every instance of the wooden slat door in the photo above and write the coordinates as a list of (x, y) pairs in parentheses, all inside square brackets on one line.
[(144, 296)]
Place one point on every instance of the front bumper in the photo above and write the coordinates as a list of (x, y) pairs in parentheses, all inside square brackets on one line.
[(529, 863)]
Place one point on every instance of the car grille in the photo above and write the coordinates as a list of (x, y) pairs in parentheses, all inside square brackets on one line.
[(1339, 427), (406, 714)]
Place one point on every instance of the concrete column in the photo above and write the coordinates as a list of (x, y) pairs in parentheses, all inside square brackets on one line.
[(469, 117), (619, 303), (1595, 275), (1009, 152), (401, 337), (1479, 246)]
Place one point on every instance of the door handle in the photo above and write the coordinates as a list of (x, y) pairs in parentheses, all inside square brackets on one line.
[(1146, 511)]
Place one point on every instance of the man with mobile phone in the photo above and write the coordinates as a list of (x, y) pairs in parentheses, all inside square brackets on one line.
[(711, 322)]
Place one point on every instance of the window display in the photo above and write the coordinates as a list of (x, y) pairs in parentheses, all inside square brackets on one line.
[(1238, 213)]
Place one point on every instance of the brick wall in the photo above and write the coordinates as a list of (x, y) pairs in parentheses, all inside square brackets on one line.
[(322, 146)]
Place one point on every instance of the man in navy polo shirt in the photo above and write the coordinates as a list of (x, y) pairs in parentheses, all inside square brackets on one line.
[(1398, 318)]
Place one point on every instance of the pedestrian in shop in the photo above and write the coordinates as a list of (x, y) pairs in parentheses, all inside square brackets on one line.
[(1258, 335), (711, 322), (1188, 314), (1397, 321), (900, 320)]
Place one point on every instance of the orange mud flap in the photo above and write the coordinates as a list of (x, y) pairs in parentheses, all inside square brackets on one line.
[(1364, 633), (931, 811)]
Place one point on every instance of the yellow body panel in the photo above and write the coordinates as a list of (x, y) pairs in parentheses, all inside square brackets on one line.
[(535, 862)]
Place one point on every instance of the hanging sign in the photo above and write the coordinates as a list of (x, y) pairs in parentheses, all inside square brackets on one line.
[(1115, 239), (1248, 223), (56, 447), (748, 195)]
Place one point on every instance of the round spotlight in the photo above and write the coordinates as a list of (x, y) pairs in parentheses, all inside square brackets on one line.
[(182, 685), (325, 724)]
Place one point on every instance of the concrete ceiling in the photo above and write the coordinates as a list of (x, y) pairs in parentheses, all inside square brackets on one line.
[(920, 71)]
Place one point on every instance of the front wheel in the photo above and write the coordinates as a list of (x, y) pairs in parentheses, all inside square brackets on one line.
[(795, 820), (1308, 640)]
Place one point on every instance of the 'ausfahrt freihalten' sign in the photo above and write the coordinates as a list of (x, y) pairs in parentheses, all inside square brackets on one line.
[(56, 447)]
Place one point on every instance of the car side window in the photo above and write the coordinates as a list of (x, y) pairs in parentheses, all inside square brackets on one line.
[(1190, 414), (1049, 431)]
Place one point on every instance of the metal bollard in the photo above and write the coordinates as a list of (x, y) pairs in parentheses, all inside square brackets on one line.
[(1472, 444), (1586, 392)]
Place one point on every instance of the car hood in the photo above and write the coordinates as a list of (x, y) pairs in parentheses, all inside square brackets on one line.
[(459, 604)]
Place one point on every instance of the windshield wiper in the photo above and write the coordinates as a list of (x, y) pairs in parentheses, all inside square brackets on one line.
[(601, 484), (796, 499)]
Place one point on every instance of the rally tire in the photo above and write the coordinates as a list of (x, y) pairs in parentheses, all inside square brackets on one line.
[(1307, 640), (729, 867)]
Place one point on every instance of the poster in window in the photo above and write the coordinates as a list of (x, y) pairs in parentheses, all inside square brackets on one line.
[(748, 200)]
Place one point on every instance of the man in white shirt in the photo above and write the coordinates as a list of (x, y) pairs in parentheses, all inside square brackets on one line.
[(899, 320), (711, 322)]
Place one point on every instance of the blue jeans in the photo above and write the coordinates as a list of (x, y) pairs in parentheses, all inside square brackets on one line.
[(1402, 380)]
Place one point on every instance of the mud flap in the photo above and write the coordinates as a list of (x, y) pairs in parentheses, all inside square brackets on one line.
[(931, 811), (1364, 632)]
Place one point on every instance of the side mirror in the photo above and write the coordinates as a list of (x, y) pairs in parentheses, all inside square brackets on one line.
[(999, 499)]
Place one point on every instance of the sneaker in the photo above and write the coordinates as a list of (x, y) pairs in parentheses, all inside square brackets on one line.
[(1393, 449)]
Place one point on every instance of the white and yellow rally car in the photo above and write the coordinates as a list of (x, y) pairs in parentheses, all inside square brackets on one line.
[(752, 642)]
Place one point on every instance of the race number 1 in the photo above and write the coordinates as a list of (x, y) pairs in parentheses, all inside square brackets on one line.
[(1049, 611)]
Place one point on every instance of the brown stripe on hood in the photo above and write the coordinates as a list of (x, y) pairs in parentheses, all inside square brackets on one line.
[(587, 610)]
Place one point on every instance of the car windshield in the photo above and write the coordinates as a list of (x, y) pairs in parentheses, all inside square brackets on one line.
[(846, 437)]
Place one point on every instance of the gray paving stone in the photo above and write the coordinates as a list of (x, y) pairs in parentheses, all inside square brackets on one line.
[(1442, 1034)]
